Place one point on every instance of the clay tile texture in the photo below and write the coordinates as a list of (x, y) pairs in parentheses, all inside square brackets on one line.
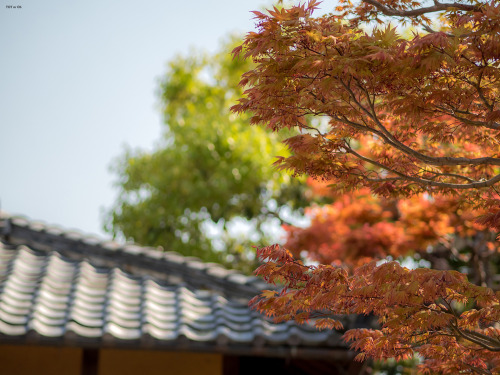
[(66, 287)]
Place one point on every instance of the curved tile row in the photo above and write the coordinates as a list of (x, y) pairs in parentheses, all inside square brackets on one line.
[(52, 295), (212, 269)]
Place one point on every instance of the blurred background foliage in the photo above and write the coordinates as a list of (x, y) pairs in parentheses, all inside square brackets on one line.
[(209, 188)]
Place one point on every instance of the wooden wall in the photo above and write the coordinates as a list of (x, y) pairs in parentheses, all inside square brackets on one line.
[(29, 360), (24, 360), (136, 362)]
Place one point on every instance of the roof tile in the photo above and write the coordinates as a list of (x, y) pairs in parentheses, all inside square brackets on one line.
[(67, 285)]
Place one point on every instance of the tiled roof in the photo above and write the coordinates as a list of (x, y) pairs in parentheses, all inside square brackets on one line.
[(65, 287)]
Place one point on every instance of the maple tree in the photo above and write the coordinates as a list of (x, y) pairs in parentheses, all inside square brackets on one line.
[(359, 227), (400, 117), (451, 323)]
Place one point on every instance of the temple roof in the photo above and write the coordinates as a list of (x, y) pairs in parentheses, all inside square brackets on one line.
[(64, 287)]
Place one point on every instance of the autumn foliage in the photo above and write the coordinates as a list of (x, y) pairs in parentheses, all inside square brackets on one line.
[(359, 227), (450, 322), (404, 116), (409, 126)]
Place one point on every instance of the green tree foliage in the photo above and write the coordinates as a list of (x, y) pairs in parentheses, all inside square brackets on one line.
[(210, 167)]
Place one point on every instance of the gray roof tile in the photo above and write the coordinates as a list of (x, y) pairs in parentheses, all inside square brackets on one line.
[(61, 284)]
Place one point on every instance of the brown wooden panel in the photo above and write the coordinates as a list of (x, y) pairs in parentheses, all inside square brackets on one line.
[(143, 362), (29, 360)]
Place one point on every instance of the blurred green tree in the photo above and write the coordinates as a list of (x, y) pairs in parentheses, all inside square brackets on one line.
[(210, 171)]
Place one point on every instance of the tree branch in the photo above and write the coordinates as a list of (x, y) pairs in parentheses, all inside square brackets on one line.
[(424, 181), (390, 139), (438, 7), (452, 112), (476, 340)]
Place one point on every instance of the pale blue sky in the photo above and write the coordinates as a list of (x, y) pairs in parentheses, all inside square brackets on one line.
[(77, 83)]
